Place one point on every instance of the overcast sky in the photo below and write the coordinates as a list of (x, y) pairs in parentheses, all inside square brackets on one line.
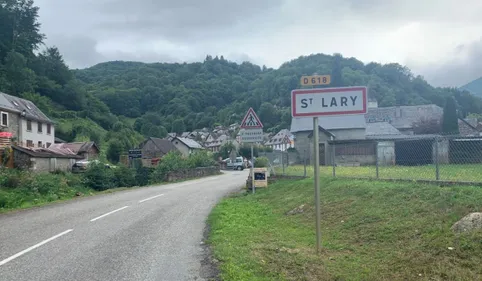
[(439, 39)]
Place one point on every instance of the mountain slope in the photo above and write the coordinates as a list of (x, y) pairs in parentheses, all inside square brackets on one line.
[(178, 97), (474, 87)]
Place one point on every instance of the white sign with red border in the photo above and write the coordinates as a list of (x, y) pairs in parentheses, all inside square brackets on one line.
[(251, 121), (328, 101)]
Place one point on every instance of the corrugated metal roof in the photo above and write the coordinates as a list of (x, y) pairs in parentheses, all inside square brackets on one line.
[(190, 143), (329, 123)]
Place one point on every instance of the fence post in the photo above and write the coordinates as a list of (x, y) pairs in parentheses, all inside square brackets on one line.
[(436, 160), (283, 162), (376, 158), (304, 161), (333, 164)]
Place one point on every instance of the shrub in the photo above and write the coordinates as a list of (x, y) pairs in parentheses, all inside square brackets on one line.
[(261, 162), (200, 159), (124, 176), (143, 174), (99, 177), (173, 161)]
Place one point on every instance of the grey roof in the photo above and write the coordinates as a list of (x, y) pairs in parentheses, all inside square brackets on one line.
[(403, 117), (279, 137), (16, 104), (190, 143), (329, 123), (381, 128), (47, 152), (402, 137), (164, 145)]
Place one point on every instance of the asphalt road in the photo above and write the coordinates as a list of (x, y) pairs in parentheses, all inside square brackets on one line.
[(152, 233)]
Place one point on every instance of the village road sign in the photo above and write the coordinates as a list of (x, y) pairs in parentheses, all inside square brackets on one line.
[(252, 135), (135, 153), (328, 101), (251, 121)]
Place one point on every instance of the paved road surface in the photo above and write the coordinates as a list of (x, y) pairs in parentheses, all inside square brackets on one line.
[(143, 234)]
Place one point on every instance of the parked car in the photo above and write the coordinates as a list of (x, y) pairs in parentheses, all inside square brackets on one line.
[(81, 166), (238, 164)]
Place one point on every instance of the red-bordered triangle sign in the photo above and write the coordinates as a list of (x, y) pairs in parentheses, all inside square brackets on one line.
[(251, 121)]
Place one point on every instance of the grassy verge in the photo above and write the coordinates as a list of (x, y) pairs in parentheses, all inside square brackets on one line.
[(469, 172), (21, 190), (371, 231)]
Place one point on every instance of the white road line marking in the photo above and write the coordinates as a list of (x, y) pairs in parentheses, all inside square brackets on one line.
[(147, 199), (109, 213), (33, 247)]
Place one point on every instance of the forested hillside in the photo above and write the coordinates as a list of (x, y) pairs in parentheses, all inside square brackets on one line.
[(178, 97), (117, 103)]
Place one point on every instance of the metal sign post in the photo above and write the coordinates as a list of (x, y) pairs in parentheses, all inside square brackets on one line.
[(315, 103), (316, 146), (252, 133), (252, 169)]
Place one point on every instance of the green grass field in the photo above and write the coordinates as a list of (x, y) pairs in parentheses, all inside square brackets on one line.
[(467, 173), (370, 231)]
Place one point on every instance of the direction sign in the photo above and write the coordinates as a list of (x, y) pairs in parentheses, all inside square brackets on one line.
[(135, 153), (251, 121), (328, 101), (315, 80), (252, 135)]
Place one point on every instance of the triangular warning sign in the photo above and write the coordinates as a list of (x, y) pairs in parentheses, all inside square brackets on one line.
[(251, 121)]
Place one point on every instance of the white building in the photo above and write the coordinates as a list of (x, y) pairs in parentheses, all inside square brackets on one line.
[(26, 124), (281, 141)]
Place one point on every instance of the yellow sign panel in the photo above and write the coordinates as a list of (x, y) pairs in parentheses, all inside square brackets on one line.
[(315, 80)]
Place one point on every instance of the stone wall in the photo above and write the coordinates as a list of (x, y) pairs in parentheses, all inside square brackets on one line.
[(192, 173)]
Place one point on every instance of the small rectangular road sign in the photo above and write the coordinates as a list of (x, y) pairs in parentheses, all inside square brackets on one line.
[(315, 80), (252, 135), (328, 101)]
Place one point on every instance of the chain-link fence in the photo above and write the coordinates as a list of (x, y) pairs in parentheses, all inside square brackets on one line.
[(415, 157)]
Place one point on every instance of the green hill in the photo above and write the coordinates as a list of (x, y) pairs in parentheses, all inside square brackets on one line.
[(178, 97)]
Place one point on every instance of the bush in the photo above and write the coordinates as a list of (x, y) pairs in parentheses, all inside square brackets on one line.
[(173, 161), (99, 177), (124, 176), (201, 159), (143, 174), (261, 162)]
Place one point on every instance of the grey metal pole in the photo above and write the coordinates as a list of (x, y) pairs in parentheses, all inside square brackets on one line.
[(252, 169), (333, 163), (316, 145), (376, 156), (437, 168)]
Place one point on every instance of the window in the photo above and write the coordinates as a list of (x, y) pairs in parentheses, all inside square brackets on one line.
[(4, 119), (39, 127), (39, 144), (49, 129), (48, 144), (29, 143), (29, 125)]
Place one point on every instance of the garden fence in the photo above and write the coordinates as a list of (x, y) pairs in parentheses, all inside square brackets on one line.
[(415, 157)]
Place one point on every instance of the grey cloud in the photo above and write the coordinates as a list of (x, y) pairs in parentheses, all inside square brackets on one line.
[(182, 21), (80, 52), (458, 71)]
